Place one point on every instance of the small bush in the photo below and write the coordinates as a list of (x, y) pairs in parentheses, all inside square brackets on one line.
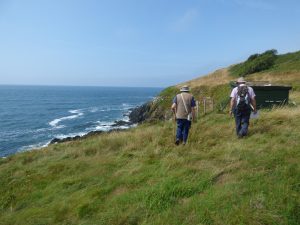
[(255, 63)]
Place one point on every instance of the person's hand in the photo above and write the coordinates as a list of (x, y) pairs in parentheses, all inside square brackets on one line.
[(254, 111), (230, 113)]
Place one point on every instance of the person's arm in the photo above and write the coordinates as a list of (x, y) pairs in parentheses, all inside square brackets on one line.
[(174, 107), (232, 101), (253, 102)]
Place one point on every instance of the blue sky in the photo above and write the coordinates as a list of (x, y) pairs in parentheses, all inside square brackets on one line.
[(137, 42)]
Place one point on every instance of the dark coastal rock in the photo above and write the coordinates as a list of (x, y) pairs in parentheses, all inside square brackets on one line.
[(119, 123), (136, 115), (57, 140), (128, 112), (140, 113), (92, 133)]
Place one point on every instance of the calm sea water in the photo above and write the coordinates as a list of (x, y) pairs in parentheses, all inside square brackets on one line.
[(31, 116)]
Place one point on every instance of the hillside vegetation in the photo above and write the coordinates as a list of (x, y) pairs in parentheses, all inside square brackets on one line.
[(255, 63), (284, 69), (139, 176)]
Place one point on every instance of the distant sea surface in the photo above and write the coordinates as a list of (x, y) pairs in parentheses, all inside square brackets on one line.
[(31, 116)]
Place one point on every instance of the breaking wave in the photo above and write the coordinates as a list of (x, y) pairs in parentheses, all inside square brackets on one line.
[(54, 123)]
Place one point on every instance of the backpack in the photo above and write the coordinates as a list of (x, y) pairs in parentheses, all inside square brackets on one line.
[(243, 99)]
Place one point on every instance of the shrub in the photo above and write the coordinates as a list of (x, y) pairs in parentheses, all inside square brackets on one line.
[(255, 63)]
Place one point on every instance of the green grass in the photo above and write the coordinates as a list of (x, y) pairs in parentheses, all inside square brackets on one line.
[(289, 62), (282, 64), (254, 64), (140, 177)]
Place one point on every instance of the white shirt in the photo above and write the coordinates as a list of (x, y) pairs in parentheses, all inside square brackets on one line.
[(235, 91)]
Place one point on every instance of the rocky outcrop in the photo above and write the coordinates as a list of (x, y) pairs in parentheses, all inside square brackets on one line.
[(140, 113), (157, 109), (147, 112), (115, 128), (120, 123), (61, 140)]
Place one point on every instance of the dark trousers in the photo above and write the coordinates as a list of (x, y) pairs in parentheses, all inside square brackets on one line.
[(183, 127), (242, 122)]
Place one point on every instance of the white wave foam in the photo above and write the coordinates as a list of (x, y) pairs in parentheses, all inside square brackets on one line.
[(126, 106), (101, 126), (40, 130), (62, 136), (105, 123), (34, 146), (126, 119), (93, 109), (54, 123), (114, 108), (122, 127), (75, 111)]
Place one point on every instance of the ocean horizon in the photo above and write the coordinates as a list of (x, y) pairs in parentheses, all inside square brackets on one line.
[(33, 115)]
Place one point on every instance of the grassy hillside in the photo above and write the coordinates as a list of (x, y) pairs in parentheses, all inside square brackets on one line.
[(284, 70), (139, 177)]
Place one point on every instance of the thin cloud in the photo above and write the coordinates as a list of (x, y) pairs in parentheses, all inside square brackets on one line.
[(185, 20)]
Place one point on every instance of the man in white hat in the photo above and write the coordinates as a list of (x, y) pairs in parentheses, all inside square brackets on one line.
[(242, 101), (183, 108)]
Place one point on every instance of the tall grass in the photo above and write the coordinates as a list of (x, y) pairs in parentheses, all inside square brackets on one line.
[(140, 177)]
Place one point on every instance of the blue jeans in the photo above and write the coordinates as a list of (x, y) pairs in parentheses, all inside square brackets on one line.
[(183, 127), (242, 122)]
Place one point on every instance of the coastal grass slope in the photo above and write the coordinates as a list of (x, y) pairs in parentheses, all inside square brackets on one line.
[(139, 176), (284, 70)]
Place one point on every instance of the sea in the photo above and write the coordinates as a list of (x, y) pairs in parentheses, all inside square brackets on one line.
[(31, 116)]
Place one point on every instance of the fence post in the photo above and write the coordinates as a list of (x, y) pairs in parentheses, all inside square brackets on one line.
[(197, 109), (204, 105)]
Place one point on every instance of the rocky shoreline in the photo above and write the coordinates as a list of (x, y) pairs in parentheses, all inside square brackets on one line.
[(136, 115)]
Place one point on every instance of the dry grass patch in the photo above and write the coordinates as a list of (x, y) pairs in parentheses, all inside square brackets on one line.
[(218, 77), (275, 77)]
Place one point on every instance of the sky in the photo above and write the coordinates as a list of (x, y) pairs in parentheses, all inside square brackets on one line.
[(137, 43)]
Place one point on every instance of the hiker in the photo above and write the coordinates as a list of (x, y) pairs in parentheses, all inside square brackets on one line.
[(183, 108), (242, 101)]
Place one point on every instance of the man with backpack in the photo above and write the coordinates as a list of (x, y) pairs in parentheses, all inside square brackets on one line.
[(241, 104), (183, 108)]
